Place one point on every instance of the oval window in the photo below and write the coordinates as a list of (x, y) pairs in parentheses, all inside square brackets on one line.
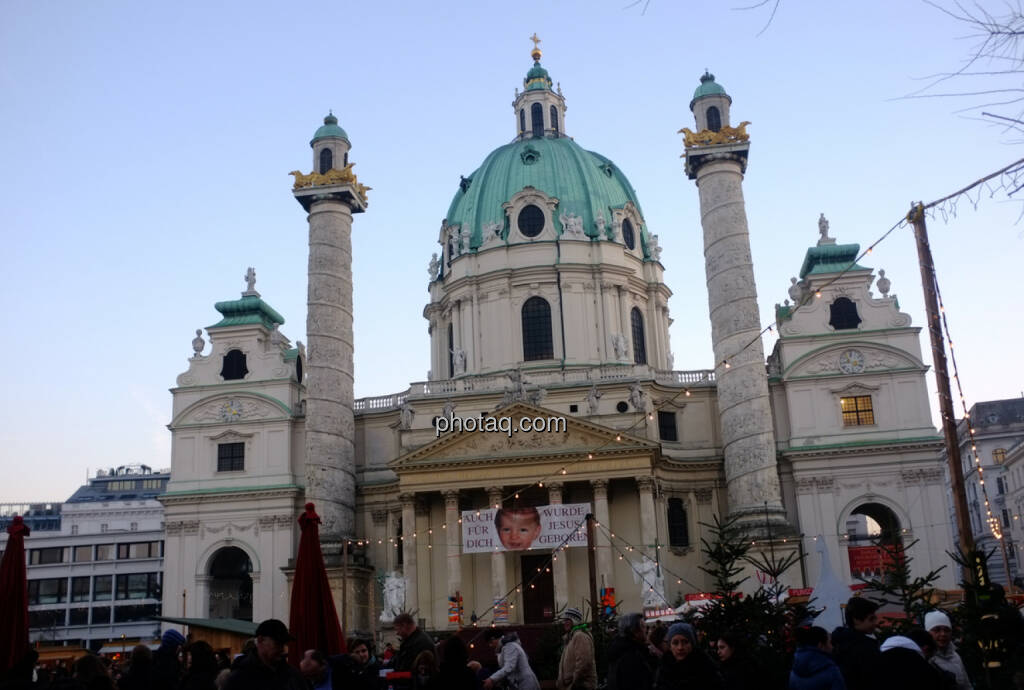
[(531, 221), (628, 236)]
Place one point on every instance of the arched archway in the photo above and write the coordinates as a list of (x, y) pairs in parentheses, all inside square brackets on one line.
[(874, 537), (230, 573)]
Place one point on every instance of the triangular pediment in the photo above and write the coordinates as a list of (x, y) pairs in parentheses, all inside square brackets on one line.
[(565, 437)]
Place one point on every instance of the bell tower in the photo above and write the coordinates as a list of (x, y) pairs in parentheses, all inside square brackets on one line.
[(716, 158), (330, 194)]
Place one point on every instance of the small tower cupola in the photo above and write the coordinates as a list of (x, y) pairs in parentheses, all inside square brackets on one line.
[(710, 104), (330, 146), (539, 110)]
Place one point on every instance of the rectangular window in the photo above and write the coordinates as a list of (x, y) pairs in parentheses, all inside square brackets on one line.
[(125, 614), (230, 457), (52, 590), (100, 614), (857, 410), (80, 589), (1000, 486), (48, 556), (667, 426), (138, 549), (46, 619), (104, 552), (138, 586), (152, 484), (78, 616), (102, 587), (74, 529), (678, 532), (1006, 518)]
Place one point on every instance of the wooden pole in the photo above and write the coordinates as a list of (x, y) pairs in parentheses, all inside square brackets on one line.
[(931, 303), (344, 587), (592, 567)]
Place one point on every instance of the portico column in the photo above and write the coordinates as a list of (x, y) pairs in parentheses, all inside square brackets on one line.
[(499, 575), (648, 527), (451, 520), (559, 570), (603, 552), (409, 550)]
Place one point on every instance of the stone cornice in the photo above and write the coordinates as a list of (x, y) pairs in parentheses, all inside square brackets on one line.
[(232, 495), (864, 447)]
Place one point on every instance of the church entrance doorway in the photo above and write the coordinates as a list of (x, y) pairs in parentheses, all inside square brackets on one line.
[(875, 542), (538, 589), (231, 584)]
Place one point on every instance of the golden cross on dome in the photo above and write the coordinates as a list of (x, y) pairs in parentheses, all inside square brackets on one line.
[(536, 41)]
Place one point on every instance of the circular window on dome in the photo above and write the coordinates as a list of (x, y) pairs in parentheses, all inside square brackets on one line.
[(628, 236), (531, 221)]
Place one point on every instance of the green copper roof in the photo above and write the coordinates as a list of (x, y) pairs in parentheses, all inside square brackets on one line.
[(330, 129), (708, 87), (247, 311), (831, 258), (537, 79), (585, 183)]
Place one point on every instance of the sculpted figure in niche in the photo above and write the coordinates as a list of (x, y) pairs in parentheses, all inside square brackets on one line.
[(593, 399), (637, 398), (601, 224), (619, 345), (460, 360), (405, 416), (572, 225)]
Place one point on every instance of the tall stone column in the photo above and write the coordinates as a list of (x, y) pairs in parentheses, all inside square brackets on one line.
[(624, 325), (330, 426), (603, 552), (744, 411), (499, 573), (559, 564), (648, 518), (409, 551), (454, 553)]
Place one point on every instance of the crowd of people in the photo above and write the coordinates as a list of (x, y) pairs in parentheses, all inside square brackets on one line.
[(672, 657)]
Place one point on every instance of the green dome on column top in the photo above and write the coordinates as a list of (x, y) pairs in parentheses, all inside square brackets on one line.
[(708, 87), (585, 183), (330, 128), (537, 78)]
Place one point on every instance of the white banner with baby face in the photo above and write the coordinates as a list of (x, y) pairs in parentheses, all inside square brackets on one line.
[(523, 529)]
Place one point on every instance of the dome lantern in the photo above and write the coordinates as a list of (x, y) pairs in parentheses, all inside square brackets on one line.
[(539, 109)]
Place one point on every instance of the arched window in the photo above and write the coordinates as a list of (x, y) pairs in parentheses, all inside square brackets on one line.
[(844, 314), (554, 119), (451, 352), (326, 160), (537, 119), (639, 344), (537, 342), (678, 534), (714, 119), (522, 121), (628, 235), (298, 369), (234, 366), (230, 584), (531, 221)]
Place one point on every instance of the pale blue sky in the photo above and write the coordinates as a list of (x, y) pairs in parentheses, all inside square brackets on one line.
[(146, 148)]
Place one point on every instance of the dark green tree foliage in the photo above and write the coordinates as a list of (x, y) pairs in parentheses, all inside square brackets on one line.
[(898, 586), (763, 617)]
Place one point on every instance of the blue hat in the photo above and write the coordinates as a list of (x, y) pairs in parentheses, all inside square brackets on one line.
[(684, 629), (173, 637)]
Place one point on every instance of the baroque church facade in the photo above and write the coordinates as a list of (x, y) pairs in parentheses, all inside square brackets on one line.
[(547, 302)]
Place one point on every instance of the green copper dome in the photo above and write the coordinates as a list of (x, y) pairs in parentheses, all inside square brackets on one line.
[(247, 311), (586, 184), (330, 129), (537, 78), (708, 87)]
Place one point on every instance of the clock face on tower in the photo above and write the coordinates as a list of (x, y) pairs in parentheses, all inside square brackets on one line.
[(851, 362), (231, 410)]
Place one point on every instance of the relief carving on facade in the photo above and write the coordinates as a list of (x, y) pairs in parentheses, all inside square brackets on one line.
[(190, 527), (932, 475), (379, 516), (703, 496), (806, 485)]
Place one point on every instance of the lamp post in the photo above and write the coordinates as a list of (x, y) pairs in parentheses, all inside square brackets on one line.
[(124, 645)]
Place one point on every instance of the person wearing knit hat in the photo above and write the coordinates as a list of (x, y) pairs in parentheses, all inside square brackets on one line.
[(946, 657), (173, 637), (686, 666), (902, 665), (166, 665), (577, 667)]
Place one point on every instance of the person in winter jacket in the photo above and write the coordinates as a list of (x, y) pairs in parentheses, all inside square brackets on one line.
[(738, 669), (200, 667), (166, 667), (813, 667), (266, 668), (686, 667), (414, 642), (577, 669), (514, 665), (854, 645), (630, 663), (902, 666), (945, 658), (357, 670), (938, 679)]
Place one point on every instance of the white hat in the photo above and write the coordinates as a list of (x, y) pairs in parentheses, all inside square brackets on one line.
[(935, 619), (900, 641)]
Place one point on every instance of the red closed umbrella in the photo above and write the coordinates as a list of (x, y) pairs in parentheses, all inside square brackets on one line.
[(13, 598), (314, 620)]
